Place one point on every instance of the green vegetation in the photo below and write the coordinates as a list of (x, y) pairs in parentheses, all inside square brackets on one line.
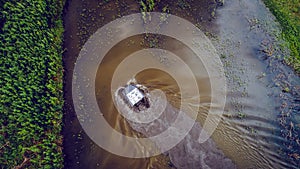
[(31, 84), (147, 6), (287, 13), (241, 115)]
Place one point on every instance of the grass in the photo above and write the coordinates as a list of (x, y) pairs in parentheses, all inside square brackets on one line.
[(31, 84), (287, 13), (147, 6)]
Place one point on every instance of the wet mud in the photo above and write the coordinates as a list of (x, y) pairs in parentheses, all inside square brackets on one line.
[(260, 126)]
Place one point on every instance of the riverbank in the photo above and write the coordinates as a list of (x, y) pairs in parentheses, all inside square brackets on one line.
[(31, 84), (288, 15), (263, 92)]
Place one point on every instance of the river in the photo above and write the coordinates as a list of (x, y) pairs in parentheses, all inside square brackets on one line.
[(254, 129)]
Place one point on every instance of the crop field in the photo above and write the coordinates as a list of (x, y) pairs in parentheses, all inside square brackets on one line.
[(40, 41), (31, 84)]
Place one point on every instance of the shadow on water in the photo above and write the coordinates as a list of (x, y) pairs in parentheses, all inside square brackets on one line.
[(250, 132)]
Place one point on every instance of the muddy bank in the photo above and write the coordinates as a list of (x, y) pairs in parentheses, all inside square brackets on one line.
[(263, 96)]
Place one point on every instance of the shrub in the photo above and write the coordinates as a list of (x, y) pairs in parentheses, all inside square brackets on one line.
[(31, 84)]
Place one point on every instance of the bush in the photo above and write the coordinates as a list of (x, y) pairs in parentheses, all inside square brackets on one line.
[(31, 84)]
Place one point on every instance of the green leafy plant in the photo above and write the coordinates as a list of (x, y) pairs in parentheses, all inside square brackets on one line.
[(31, 84), (147, 6)]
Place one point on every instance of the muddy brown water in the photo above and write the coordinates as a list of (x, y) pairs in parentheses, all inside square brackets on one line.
[(249, 135)]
